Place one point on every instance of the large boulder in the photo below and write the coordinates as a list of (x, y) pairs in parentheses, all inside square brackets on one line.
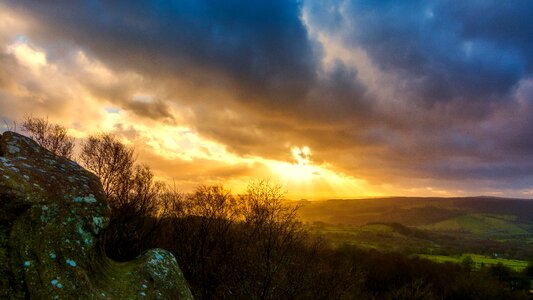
[(52, 213)]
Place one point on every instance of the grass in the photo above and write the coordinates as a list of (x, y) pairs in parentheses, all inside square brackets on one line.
[(388, 238), (480, 224), (479, 260), (446, 227), (377, 236)]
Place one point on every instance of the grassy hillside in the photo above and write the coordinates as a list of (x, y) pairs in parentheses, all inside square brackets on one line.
[(432, 226), (412, 211), (479, 261), (388, 237), (486, 225)]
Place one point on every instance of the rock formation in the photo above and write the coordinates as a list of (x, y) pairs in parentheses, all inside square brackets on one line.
[(52, 212)]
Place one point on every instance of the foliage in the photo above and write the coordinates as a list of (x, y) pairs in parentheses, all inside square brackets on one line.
[(529, 270), (479, 261), (467, 262)]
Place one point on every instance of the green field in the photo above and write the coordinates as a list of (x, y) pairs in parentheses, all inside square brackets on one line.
[(479, 260), (443, 228), (376, 236), (398, 238), (486, 225)]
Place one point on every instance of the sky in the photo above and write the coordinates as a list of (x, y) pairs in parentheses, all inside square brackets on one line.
[(331, 99)]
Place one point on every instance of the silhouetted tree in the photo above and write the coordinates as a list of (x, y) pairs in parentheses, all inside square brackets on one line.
[(132, 193), (252, 246), (414, 290), (112, 162), (273, 233), (529, 270), (51, 136), (200, 229), (468, 263), (134, 215)]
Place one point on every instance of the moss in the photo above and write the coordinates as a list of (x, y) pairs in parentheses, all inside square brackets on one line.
[(49, 235)]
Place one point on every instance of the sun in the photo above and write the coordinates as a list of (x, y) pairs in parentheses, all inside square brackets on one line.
[(300, 170), (305, 179), (301, 155)]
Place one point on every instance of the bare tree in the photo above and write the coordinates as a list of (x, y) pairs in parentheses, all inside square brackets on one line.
[(250, 246), (135, 214), (132, 192), (202, 222), (111, 161), (274, 233), (51, 136)]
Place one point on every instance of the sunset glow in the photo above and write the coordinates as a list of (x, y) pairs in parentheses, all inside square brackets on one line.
[(309, 96)]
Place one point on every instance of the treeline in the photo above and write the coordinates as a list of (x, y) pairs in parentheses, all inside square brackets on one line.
[(252, 246)]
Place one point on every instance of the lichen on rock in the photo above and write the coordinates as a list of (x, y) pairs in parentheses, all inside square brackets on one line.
[(52, 213)]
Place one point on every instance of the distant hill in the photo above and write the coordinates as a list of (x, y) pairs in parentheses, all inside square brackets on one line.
[(424, 225), (413, 211)]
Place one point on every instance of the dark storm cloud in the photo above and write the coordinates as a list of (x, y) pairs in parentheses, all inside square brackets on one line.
[(506, 24), (454, 50), (255, 51), (156, 110), (461, 100), (259, 45), (462, 66), (256, 54)]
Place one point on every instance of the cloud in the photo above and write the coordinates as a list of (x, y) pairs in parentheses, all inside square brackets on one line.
[(262, 46), (447, 82), (445, 54), (255, 54), (409, 93)]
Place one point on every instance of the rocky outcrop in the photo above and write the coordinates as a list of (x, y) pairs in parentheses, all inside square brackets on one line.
[(52, 212)]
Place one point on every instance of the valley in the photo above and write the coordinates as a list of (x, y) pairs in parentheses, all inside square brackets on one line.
[(486, 229)]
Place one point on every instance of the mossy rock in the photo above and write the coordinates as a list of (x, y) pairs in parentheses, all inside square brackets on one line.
[(52, 213)]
